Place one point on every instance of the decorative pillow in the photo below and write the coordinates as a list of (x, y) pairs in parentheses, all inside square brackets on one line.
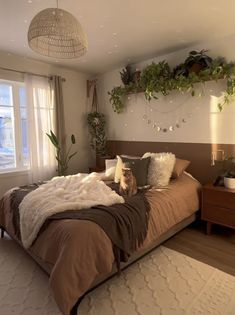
[(160, 168), (110, 167), (120, 165), (139, 167), (179, 167)]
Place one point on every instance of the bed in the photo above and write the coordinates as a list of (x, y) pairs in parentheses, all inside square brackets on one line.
[(78, 254)]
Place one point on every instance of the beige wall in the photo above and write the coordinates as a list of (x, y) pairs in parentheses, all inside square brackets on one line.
[(203, 121), (75, 101)]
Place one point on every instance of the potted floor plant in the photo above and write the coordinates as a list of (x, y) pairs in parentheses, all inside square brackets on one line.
[(62, 158)]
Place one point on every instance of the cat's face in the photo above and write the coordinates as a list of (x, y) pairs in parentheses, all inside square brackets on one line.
[(126, 172)]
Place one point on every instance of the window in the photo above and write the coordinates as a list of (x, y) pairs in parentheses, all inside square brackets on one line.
[(14, 148)]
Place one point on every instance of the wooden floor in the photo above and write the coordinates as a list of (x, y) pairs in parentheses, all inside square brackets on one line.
[(217, 249)]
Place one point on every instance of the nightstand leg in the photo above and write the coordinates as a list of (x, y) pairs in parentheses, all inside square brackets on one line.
[(208, 228)]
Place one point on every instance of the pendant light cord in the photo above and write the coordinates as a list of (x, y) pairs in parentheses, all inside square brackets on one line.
[(57, 3)]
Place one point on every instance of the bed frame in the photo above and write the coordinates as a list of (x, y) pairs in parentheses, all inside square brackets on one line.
[(196, 153), (138, 255)]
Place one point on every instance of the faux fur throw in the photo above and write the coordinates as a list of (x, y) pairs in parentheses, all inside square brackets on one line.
[(59, 194)]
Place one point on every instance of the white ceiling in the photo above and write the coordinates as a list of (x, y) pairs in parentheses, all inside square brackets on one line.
[(122, 31)]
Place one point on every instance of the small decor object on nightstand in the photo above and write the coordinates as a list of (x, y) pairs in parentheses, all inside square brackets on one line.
[(229, 180)]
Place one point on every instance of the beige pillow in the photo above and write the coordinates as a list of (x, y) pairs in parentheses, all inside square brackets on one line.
[(179, 167)]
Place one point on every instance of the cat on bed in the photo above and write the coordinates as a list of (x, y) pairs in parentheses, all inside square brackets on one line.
[(128, 185)]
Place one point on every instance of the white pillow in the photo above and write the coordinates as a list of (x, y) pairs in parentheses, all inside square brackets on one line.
[(110, 167), (160, 168)]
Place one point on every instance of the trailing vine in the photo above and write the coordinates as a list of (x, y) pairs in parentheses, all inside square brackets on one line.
[(96, 124), (159, 78)]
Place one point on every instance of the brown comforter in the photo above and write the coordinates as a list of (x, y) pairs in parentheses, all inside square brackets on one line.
[(77, 252)]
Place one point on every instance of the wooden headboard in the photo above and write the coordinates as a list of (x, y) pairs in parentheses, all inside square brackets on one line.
[(200, 154)]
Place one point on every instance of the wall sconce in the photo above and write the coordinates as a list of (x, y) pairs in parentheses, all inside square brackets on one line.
[(218, 155)]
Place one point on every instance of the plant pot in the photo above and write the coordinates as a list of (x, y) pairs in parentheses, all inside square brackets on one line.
[(229, 182), (100, 161), (196, 68)]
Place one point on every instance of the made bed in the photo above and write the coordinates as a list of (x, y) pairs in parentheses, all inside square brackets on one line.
[(77, 254)]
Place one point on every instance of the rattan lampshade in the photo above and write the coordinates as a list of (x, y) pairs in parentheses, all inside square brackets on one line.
[(56, 33)]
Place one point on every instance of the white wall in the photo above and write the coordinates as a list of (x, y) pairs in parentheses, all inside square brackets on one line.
[(75, 102), (204, 123)]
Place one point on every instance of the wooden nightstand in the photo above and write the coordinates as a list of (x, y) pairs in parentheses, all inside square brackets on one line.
[(218, 206)]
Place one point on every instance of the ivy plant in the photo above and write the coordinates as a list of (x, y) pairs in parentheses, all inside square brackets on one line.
[(96, 124), (159, 78)]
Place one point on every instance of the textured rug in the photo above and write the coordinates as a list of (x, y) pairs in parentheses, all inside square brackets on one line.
[(163, 283)]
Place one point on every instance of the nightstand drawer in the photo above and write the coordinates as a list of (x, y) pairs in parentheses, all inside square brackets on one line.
[(219, 197), (218, 215)]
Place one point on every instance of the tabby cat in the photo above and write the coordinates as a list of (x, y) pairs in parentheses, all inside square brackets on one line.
[(128, 185)]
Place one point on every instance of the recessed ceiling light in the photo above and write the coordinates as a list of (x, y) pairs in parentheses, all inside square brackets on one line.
[(30, 1), (12, 40), (115, 46), (25, 21), (114, 34), (101, 26)]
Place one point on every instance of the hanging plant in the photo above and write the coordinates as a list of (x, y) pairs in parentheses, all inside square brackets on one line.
[(96, 125), (158, 78)]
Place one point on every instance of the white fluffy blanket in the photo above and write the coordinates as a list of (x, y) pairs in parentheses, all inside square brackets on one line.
[(59, 194)]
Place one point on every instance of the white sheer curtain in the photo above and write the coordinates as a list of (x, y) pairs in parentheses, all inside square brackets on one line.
[(41, 119)]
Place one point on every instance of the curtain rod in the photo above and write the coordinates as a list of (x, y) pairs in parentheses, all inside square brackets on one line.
[(31, 73)]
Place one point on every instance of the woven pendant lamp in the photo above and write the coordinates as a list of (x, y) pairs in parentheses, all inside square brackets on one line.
[(56, 33)]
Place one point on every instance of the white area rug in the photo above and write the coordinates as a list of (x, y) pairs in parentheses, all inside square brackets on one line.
[(163, 283)]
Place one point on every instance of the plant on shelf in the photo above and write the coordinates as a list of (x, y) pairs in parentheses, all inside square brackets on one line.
[(156, 78), (62, 158), (96, 125), (197, 61), (159, 78), (127, 76)]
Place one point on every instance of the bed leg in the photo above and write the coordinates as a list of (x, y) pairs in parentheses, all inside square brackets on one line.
[(74, 310), (2, 233)]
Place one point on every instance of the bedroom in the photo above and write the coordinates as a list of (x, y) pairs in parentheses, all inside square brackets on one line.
[(191, 127)]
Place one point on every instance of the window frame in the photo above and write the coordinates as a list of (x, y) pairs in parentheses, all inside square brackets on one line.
[(17, 129)]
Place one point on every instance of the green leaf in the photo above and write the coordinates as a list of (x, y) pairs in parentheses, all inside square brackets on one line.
[(73, 140), (72, 155), (220, 107), (54, 138)]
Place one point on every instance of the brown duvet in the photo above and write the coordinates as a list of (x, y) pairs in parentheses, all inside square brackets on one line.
[(77, 252)]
